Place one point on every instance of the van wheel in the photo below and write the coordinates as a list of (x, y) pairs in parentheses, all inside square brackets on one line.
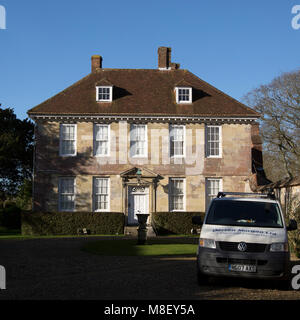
[(201, 278)]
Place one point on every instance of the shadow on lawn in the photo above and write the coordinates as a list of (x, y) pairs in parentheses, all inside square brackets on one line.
[(153, 247)]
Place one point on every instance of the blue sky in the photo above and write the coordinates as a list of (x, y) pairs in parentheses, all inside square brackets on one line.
[(234, 45)]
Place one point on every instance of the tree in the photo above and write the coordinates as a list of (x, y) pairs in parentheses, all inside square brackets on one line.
[(16, 151), (279, 105)]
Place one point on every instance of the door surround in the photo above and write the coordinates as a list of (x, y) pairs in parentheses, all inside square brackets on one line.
[(138, 202)]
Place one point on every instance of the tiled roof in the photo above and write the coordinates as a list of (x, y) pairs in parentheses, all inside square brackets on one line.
[(142, 92)]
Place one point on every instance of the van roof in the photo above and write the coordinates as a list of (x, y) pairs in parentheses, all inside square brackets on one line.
[(252, 199)]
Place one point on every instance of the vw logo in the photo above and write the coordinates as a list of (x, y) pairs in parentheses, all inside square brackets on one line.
[(242, 246)]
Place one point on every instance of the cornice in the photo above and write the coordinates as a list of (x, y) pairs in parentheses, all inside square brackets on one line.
[(142, 118)]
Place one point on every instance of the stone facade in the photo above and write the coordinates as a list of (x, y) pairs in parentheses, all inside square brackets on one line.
[(214, 140), (234, 167)]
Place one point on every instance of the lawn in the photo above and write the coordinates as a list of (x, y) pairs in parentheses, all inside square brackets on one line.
[(129, 247), (5, 232)]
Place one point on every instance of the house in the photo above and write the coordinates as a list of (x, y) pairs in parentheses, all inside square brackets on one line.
[(142, 141), (287, 191)]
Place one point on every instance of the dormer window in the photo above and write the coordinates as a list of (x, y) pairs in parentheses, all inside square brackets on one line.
[(183, 94), (104, 93)]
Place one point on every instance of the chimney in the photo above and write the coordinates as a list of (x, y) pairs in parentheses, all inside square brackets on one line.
[(164, 59), (96, 63)]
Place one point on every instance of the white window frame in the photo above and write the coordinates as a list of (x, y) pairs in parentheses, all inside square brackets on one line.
[(110, 93), (95, 140), (207, 195), (60, 209), (172, 155), (171, 205), (61, 140), (145, 155), (207, 151), (95, 194), (183, 101)]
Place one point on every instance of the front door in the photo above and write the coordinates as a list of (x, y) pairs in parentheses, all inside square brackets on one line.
[(138, 202)]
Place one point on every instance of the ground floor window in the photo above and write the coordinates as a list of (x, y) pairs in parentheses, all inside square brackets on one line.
[(213, 186), (177, 194), (66, 189), (101, 194)]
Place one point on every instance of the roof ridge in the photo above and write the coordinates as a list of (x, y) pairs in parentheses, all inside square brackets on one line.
[(139, 69)]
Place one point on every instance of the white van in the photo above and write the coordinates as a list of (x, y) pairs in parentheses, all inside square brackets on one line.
[(243, 235)]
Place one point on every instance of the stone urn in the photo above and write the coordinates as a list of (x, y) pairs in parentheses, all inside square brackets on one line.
[(142, 229)]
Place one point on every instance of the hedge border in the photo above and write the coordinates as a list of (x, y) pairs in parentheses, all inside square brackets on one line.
[(175, 222), (68, 223)]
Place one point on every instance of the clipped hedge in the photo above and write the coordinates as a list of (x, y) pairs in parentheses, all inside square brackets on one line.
[(175, 222), (68, 223), (10, 217)]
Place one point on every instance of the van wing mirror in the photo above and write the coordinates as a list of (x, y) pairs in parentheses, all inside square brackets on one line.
[(292, 225), (197, 220)]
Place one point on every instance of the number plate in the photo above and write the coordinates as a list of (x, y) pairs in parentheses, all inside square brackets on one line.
[(242, 267)]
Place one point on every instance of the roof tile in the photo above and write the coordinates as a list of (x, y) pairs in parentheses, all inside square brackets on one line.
[(142, 92)]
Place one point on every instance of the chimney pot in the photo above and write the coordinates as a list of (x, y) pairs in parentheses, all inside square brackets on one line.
[(96, 63), (164, 59)]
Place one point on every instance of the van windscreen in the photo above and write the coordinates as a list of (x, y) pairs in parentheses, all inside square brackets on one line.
[(244, 213)]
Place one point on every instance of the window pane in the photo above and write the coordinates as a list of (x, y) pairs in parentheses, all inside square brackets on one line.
[(176, 194), (213, 141), (68, 147), (138, 139), (104, 93), (67, 194), (101, 142), (177, 140), (183, 95), (213, 188), (68, 139), (101, 193)]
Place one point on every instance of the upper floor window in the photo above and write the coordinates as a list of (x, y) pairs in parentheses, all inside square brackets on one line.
[(177, 194), (183, 95), (101, 139), (138, 140), (104, 93), (66, 190), (177, 140), (213, 141), (67, 143)]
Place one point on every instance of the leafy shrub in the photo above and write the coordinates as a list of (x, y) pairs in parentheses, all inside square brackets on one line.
[(1, 217), (10, 217), (297, 250), (8, 204), (24, 197), (68, 223), (175, 222), (294, 236)]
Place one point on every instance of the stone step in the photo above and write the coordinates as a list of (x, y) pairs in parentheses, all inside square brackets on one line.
[(130, 231), (133, 231)]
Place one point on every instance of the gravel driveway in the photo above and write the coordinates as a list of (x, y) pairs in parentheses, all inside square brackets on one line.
[(58, 269)]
